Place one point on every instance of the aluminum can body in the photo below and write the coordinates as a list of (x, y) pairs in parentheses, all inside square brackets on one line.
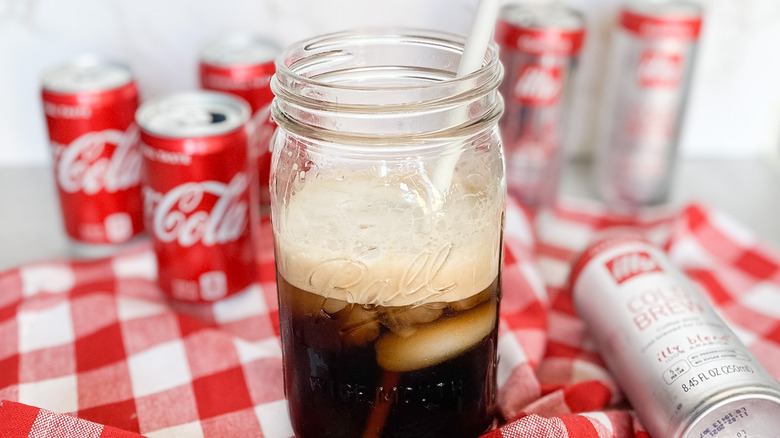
[(197, 193), (90, 105), (539, 44), (647, 82), (242, 65), (679, 364)]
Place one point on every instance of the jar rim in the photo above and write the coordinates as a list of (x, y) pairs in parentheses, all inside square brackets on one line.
[(384, 85), (452, 41)]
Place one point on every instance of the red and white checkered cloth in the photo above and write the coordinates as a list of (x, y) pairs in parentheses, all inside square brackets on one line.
[(93, 349)]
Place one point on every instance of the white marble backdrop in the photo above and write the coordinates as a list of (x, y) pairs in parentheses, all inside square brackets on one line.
[(735, 107)]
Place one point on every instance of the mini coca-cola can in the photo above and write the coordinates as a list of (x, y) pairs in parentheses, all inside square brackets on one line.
[(242, 65), (89, 104), (197, 193), (539, 44), (646, 88), (685, 372)]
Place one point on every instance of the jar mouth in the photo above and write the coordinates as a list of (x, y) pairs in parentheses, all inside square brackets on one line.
[(397, 66), (384, 82)]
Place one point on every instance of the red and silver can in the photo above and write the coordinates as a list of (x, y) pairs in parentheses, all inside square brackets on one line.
[(540, 44), (197, 193), (646, 90), (242, 65), (682, 368), (90, 105)]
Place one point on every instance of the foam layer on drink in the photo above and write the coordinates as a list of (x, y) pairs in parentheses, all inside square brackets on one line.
[(390, 241)]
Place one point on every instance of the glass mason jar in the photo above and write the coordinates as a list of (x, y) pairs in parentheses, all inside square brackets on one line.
[(387, 204)]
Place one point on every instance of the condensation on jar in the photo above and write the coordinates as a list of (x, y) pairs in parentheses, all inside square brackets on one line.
[(387, 206)]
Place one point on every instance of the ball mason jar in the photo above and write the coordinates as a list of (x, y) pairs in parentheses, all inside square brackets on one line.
[(387, 204)]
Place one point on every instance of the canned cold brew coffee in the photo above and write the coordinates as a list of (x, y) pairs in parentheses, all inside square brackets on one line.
[(682, 368), (652, 56), (540, 45)]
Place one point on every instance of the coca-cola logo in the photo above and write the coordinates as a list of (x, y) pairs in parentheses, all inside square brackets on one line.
[(627, 266), (538, 85), (182, 214), (107, 160), (659, 69)]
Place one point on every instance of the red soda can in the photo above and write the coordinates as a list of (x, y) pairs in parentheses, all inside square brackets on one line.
[(684, 370), (652, 56), (539, 44), (197, 193), (242, 65), (90, 105)]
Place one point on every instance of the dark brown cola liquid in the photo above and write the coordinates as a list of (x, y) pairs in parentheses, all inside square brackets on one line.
[(336, 387)]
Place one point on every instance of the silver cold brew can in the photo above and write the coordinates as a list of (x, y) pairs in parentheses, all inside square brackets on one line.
[(540, 46), (683, 369), (645, 92)]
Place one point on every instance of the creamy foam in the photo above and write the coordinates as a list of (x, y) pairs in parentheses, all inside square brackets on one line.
[(390, 242)]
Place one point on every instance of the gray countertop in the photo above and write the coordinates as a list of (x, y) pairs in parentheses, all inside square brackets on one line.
[(746, 190)]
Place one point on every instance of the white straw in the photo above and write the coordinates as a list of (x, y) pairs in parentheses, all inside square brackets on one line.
[(470, 61), (479, 37)]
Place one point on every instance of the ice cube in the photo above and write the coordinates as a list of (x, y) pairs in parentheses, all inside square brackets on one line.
[(435, 342), (310, 304), (332, 306), (359, 326), (403, 321), (472, 301)]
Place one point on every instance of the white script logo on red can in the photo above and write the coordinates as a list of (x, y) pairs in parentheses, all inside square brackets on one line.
[(631, 264), (538, 85), (179, 215), (659, 69), (108, 160)]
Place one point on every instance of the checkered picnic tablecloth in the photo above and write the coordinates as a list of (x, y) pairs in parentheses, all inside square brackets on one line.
[(92, 349)]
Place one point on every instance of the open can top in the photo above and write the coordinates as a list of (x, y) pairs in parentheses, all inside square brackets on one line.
[(195, 114), (88, 73)]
